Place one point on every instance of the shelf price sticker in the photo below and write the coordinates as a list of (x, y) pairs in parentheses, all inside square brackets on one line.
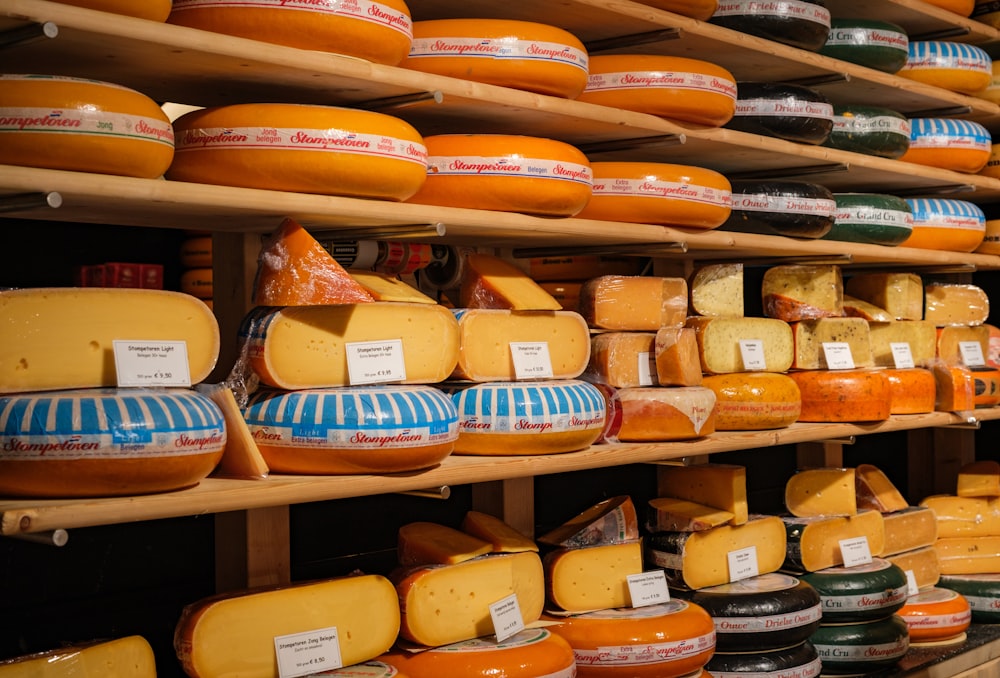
[(743, 563), (752, 352), (911, 584), (506, 616), (838, 355), (307, 653), (855, 551), (972, 353), (151, 363), (531, 359), (375, 362), (902, 356), (646, 368), (648, 588)]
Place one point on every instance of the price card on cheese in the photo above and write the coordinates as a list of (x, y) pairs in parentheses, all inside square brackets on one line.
[(902, 356), (855, 551), (507, 619), (752, 351), (646, 368), (531, 359), (303, 654), (151, 363), (375, 362), (743, 563), (838, 355), (972, 353), (648, 588)]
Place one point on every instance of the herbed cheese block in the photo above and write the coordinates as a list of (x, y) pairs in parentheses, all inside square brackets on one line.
[(128, 657), (957, 145), (900, 294), (442, 604), (821, 492), (523, 55), (782, 110), (235, 633), (843, 395), (610, 521), (979, 479), (641, 303), (717, 290), (881, 45), (63, 337), (676, 356), (873, 490), (651, 413), (377, 31), (505, 173), (953, 66), (936, 615), (981, 591), (63, 123), (624, 359), (862, 648), (694, 560), (667, 514), (803, 23), (722, 486), (942, 224), (426, 543), (968, 555), (796, 209), (951, 337), (920, 335), (107, 442), (302, 148), (912, 390), (386, 287), (814, 543), (873, 218), (909, 529), (859, 593), (299, 347), (965, 516), (527, 418), (803, 292), (356, 429), (502, 537), (490, 282), (955, 304), (719, 342), (811, 335), (797, 660), (922, 563), (754, 401), (591, 577)]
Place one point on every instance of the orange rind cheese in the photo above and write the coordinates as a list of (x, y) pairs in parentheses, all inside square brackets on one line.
[(912, 390), (843, 395), (958, 145), (153, 10), (696, 9), (954, 66), (490, 282), (754, 401), (936, 615), (644, 303), (944, 224), (649, 413)]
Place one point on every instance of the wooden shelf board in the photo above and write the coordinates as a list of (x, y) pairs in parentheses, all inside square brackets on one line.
[(920, 19)]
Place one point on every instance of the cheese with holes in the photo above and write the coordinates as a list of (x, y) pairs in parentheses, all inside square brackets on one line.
[(912, 390), (717, 289), (937, 615), (752, 401), (386, 287), (811, 337), (982, 591), (592, 577), (954, 66), (722, 486), (442, 604), (802, 292), (490, 282), (682, 196), (680, 88), (965, 516), (380, 31), (720, 349), (843, 395), (650, 413), (520, 54), (942, 224), (623, 359), (128, 657), (944, 143), (426, 543), (356, 429), (298, 347), (506, 173), (695, 560), (922, 563), (63, 337), (909, 529), (502, 537), (642, 303), (814, 542), (955, 304), (900, 294), (667, 514), (859, 593), (919, 335), (968, 555), (526, 418), (302, 148), (235, 632), (821, 492), (676, 356), (979, 479), (874, 490), (951, 338), (63, 123), (610, 521)]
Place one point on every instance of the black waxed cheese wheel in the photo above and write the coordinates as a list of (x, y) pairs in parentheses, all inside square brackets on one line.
[(797, 209), (782, 110), (799, 660), (868, 42), (799, 23), (870, 130)]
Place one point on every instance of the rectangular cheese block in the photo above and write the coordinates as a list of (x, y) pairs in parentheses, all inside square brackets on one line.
[(950, 339), (623, 359), (874, 490), (908, 529), (721, 486), (979, 479), (643, 303), (659, 414), (676, 355), (802, 292), (814, 543), (488, 281), (717, 290), (426, 543), (719, 347), (968, 555), (502, 537), (900, 294), (965, 516), (923, 563), (485, 337), (810, 336), (128, 657), (385, 287), (694, 560), (609, 521), (667, 514), (593, 577), (821, 492), (919, 335), (955, 304)]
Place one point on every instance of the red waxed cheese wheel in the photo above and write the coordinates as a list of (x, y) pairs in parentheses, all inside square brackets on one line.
[(154, 10)]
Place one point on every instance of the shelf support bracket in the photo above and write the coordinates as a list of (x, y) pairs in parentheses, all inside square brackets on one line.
[(21, 35), (20, 202), (441, 492), (51, 538)]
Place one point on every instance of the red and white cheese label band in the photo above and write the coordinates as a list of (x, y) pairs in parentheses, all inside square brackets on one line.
[(654, 188), (676, 80), (85, 121), (507, 48), (509, 166), (782, 9)]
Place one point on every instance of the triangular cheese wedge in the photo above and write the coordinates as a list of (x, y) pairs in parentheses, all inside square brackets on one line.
[(241, 458)]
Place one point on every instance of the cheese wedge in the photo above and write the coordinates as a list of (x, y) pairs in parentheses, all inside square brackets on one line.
[(754, 401), (242, 457), (611, 521), (900, 294), (923, 563), (490, 282), (642, 303), (821, 492), (950, 339), (814, 543), (908, 529), (593, 577), (812, 336), (859, 308), (721, 486), (667, 514), (501, 536), (802, 292), (385, 287), (919, 335), (717, 290), (979, 479), (875, 491), (129, 657), (426, 543)]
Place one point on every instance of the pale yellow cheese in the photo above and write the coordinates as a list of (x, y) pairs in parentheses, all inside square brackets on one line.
[(968, 555), (900, 294), (623, 359), (802, 292), (490, 282), (859, 308), (427, 543), (643, 303), (609, 521), (814, 543), (920, 335), (722, 486), (719, 342), (717, 290), (979, 479), (821, 492), (676, 355), (593, 577), (667, 514), (950, 338), (965, 516), (954, 304), (811, 335), (911, 528), (875, 491), (241, 458), (923, 563), (385, 287), (501, 536), (128, 657)]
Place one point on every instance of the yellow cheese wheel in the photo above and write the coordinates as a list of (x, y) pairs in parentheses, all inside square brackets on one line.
[(959, 145), (689, 90), (520, 54), (82, 125), (197, 282), (154, 10), (752, 401), (376, 30), (912, 390), (843, 395), (300, 148), (944, 224), (507, 173), (659, 193), (954, 66)]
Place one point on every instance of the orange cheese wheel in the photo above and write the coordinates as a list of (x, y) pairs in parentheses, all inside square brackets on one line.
[(943, 224), (912, 390), (371, 669), (507, 173), (376, 30), (300, 148), (993, 348), (992, 166), (953, 66), (960, 7), (659, 193), (154, 10), (196, 252), (843, 395), (650, 413), (959, 145), (82, 125), (519, 54), (992, 91), (197, 282), (936, 615), (696, 9), (753, 401), (680, 88)]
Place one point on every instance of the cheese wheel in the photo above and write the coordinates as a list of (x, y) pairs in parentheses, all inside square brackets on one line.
[(958, 145), (954, 66), (356, 429), (870, 130), (936, 615), (300, 148), (981, 591), (520, 54), (800, 23), (800, 661), (992, 91), (668, 640), (154, 10), (63, 123), (912, 391), (197, 282), (843, 395), (650, 413), (105, 442), (680, 88), (752, 401), (371, 669), (859, 593), (782, 110), (992, 166), (862, 648), (128, 657), (658, 193), (797, 209), (379, 31), (991, 238), (881, 45), (526, 418), (960, 7), (873, 218), (506, 173), (945, 224)]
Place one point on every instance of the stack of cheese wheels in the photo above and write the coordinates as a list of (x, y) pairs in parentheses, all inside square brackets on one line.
[(869, 42), (379, 31), (506, 173), (946, 224), (196, 261), (937, 616), (64, 123), (154, 10), (805, 24), (953, 66), (301, 148), (958, 145), (679, 88), (520, 54)]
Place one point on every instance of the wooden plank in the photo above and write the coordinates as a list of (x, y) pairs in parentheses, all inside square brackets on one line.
[(252, 548), (511, 500), (819, 455)]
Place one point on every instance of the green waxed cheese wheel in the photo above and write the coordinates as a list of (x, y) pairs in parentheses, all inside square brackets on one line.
[(876, 44), (871, 218), (870, 130), (862, 648)]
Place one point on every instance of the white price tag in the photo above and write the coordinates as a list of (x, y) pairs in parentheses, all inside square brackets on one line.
[(972, 353), (838, 355), (151, 363), (646, 368), (902, 356), (507, 619), (648, 588), (855, 551), (531, 359), (911, 584), (743, 563), (752, 351), (375, 362), (302, 654)]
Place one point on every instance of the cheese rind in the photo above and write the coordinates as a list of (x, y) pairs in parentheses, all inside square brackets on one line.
[(912, 391), (814, 543), (979, 479), (667, 514), (678, 362), (821, 492), (426, 543), (490, 282), (919, 335), (802, 292), (753, 401), (592, 577), (859, 308), (811, 335), (611, 521), (650, 413), (722, 486), (900, 294), (642, 303), (128, 657), (954, 304), (843, 395), (936, 615), (874, 490), (909, 529), (717, 290), (961, 389), (719, 342)]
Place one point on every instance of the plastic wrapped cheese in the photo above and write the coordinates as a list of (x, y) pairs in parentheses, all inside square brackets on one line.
[(751, 401), (881, 45), (487, 281), (793, 292), (615, 302), (901, 294), (659, 413), (796, 209), (952, 338), (717, 289), (955, 66), (813, 337), (955, 304)]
